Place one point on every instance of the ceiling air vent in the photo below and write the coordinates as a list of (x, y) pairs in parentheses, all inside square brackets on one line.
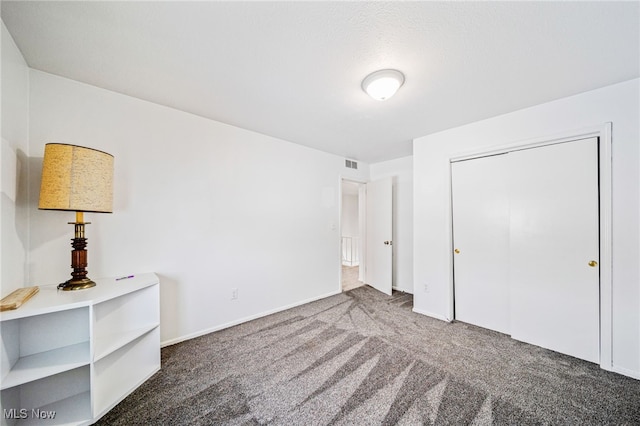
[(350, 164)]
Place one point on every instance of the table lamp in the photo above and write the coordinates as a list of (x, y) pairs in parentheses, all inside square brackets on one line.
[(78, 179)]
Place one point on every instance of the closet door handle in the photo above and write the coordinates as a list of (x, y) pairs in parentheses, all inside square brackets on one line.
[(593, 263), (456, 251)]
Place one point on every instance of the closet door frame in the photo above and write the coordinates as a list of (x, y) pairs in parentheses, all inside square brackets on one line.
[(603, 132)]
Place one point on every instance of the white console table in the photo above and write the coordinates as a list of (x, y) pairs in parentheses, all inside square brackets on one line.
[(79, 353)]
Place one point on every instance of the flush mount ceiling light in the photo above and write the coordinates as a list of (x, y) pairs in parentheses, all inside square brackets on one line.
[(382, 84)]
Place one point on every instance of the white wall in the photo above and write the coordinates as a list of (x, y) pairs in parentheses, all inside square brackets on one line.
[(350, 224), (618, 104), (207, 206), (13, 166), (401, 170)]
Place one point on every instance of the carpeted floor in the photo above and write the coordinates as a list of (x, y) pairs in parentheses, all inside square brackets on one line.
[(364, 358)]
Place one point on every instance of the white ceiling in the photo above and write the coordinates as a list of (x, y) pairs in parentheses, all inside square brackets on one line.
[(293, 69)]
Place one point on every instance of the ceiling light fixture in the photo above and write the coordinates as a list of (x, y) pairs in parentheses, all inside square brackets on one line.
[(382, 84)]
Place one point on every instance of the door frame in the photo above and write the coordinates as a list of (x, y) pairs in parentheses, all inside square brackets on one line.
[(603, 132)]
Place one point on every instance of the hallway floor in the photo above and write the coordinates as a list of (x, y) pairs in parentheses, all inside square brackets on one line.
[(350, 278)]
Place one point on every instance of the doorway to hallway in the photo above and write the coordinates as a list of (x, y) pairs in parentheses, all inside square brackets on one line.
[(351, 230)]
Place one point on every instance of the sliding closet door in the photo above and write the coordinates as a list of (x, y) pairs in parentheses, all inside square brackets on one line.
[(481, 242), (554, 247)]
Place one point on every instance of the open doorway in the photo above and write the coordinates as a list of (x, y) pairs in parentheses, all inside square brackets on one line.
[(352, 235)]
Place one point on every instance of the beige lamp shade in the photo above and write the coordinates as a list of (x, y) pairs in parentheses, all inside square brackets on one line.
[(76, 178)]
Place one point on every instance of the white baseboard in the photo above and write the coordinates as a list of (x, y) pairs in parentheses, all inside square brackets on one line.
[(243, 320), (431, 314), (626, 372)]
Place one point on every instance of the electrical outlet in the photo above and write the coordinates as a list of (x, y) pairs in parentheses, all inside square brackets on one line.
[(426, 287), (234, 294)]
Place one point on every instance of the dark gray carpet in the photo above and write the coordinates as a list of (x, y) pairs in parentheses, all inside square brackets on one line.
[(363, 358)]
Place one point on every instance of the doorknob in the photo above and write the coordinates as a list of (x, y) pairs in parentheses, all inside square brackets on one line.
[(457, 251), (388, 243), (593, 263)]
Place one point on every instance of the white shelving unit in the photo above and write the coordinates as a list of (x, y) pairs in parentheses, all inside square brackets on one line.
[(78, 353)]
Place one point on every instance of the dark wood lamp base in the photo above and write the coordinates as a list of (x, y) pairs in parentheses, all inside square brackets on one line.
[(79, 280)]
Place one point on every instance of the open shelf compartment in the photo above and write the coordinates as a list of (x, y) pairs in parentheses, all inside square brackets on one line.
[(44, 345), (61, 399), (121, 320)]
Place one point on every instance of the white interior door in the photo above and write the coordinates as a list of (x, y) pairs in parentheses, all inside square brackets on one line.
[(379, 253), (554, 246), (481, 241)]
